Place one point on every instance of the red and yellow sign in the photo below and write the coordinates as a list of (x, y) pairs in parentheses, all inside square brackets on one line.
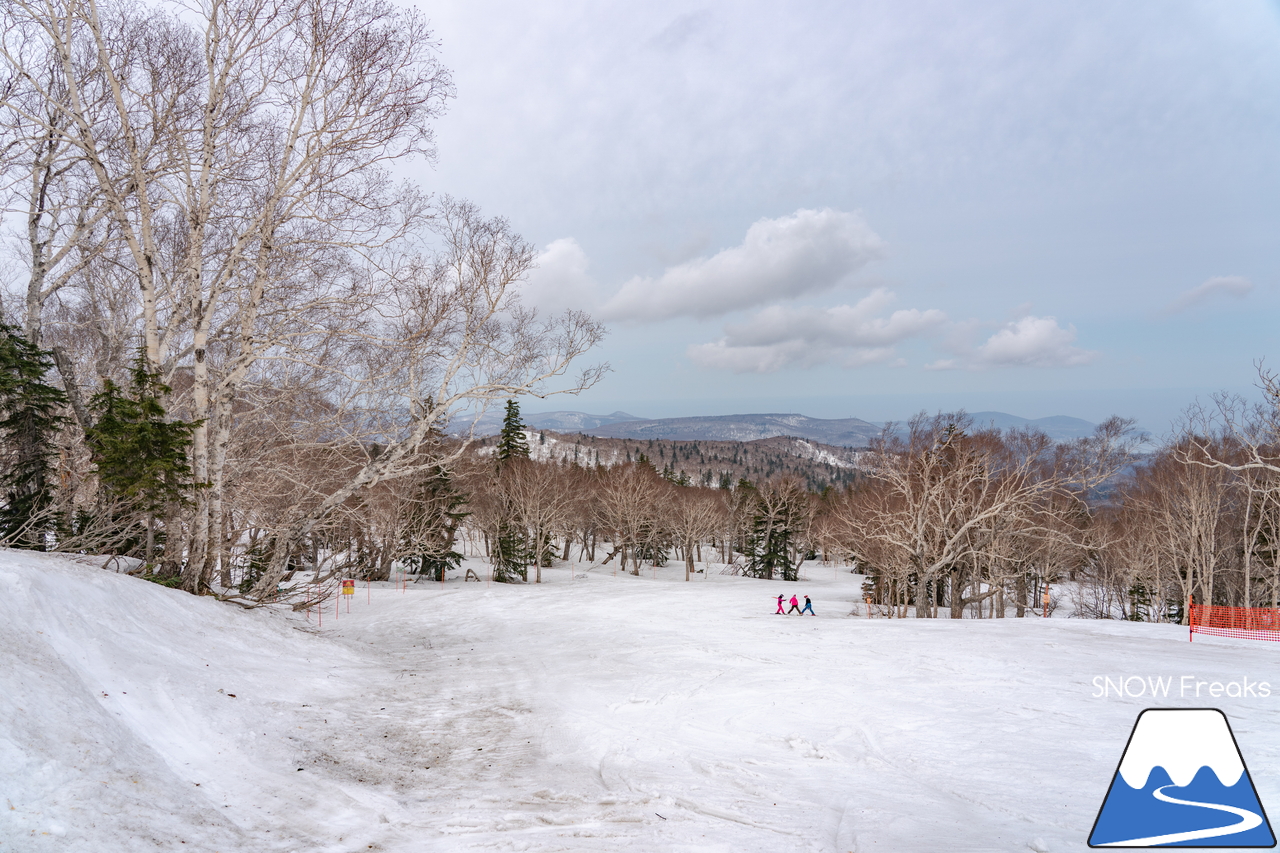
[(348, 587)]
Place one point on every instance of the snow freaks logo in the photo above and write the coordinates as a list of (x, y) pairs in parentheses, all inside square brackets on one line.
[(1188, 687), (1181, 783)]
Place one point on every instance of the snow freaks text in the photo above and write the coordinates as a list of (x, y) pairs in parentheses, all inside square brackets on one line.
[(1185, 687)]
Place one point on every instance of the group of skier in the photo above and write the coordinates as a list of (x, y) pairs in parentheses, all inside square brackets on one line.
[(795, 607)]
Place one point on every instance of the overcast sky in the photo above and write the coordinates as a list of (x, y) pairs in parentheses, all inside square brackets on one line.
[(867, 208)]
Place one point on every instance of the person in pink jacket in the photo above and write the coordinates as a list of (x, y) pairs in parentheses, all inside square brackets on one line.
[(780, 610), (795, 605)]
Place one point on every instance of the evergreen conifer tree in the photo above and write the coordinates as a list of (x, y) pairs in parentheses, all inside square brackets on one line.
[(431, 533), (650, 548), (512, 443), (31, 419), (140, 455), (510, 554), (777, 526), (769, 549)]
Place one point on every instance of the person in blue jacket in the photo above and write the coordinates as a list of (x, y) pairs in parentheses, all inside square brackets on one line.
[(808, 607)]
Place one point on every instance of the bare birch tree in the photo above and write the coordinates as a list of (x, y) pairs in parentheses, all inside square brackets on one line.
[(629, 498), (694, 515), (541, 499), (237, 144), (940, 499), (1244, 439), (445, 336)]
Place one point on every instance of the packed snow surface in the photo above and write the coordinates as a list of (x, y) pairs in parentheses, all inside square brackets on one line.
[(590, 713)]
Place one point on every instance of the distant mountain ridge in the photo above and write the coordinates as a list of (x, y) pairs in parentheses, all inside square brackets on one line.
[(1057, 427), (840, 432), (491, 423), (575, 421)]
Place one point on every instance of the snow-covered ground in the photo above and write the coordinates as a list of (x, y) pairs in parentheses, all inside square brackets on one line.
[(595, 714)]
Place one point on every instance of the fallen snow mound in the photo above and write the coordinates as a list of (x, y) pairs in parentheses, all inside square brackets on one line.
[(136, 717)]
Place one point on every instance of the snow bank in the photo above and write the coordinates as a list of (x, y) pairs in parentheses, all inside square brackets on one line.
[(141, 718)]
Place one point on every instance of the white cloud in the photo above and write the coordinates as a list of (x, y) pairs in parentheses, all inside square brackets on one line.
[(1026, 342), (720, 355), (1230, 285), (849, 335), (561, 280), (841, 325), (808, 252)]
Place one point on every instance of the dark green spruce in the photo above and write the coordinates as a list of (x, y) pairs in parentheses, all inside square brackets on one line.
[(438, 510), (31, 421), (510, 552), (777, 527), (141, 458), (512, 443)]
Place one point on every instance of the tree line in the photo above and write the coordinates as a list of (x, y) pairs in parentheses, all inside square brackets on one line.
[(945, 519), (959, 519)]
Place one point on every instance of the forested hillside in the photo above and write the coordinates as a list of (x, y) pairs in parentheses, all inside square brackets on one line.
[(716, 464)]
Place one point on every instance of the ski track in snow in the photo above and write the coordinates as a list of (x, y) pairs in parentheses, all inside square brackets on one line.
[(604, 714)]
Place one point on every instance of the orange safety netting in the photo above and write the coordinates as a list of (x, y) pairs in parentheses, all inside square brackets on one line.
[(1249, 623)]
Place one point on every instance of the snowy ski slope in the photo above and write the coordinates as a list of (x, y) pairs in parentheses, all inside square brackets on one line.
[(599, 714)]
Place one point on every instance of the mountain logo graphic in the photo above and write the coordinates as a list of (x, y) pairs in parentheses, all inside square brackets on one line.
[(1182, 783)]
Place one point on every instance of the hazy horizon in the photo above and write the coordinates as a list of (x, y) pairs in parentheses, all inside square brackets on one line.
[(1155, 410)]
